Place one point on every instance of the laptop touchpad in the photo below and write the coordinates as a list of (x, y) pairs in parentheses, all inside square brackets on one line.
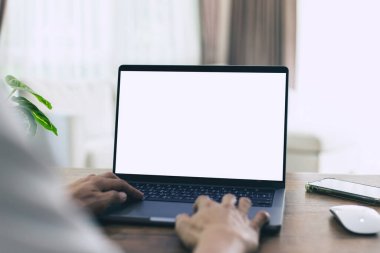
[(155, 209)]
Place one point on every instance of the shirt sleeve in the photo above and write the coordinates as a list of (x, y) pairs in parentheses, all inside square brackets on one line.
[(36, 214)]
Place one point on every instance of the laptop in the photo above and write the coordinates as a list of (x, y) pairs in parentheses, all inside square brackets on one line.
[(185, 131)]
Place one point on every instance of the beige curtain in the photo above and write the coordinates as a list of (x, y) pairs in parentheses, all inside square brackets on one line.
[(215, 24), (257, 32)]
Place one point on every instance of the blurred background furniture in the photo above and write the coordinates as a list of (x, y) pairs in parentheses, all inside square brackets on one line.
[(303, 153)]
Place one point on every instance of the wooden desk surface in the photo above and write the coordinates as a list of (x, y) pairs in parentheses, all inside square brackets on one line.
[(308, 225)]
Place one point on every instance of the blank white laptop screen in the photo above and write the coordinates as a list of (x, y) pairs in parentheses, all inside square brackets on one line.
[(201, 124)]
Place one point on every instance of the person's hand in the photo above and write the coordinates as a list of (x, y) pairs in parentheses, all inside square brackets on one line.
[(221, 227), (96, 193)]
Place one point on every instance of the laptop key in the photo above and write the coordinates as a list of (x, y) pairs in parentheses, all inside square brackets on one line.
[(189, 193)]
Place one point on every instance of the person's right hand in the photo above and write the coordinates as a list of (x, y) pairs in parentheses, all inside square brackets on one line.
[(97, 192), (221, 227)]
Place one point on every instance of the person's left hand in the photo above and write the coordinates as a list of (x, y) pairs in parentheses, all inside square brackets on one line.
[(96, 193)]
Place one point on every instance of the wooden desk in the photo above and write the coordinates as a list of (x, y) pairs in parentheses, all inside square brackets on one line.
[(308, 225)]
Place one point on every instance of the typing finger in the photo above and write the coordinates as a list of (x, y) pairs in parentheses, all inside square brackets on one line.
[(202, 202), (107, 184), (260, 219), (109, 175), (185, 230), (229, 200), (244, 205), (105, 199)]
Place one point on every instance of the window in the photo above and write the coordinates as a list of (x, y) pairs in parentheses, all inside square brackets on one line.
[(338, 82)]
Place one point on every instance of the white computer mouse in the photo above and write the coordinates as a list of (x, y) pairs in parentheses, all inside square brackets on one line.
[(357, 219)]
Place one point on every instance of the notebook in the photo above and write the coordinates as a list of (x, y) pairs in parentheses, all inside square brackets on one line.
[(185, 131)]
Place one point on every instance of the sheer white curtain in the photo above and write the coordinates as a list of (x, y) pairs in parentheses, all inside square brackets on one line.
[(55, 40), (70, 50), (87, 39)]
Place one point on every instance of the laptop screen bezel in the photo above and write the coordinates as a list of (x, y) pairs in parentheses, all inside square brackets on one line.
[(203, 180)]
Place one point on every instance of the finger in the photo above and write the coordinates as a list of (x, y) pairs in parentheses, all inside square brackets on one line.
[(260, 219), (202, 202), (229, 200), (115, 196), (108, 184), (244, 205), (86, 178), (109, 175), (110, 197), (122, 185), (182, 220), (185, 230), (182, 217)]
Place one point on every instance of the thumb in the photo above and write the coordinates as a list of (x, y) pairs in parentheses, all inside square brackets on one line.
[(112, 197), (260, 219)]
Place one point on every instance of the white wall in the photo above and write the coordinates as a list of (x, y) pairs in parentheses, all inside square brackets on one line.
[(338, 82)]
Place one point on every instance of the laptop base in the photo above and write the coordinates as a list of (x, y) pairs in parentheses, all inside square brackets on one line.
[(164, 213)]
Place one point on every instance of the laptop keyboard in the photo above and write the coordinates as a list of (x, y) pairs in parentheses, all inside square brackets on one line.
[(188, 193)]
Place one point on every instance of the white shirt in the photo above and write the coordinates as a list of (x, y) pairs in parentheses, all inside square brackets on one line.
[(36, 213)]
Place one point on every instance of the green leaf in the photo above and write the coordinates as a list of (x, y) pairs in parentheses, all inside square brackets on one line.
[(39, 116), (43, 101), (18, 85), (31, 122)]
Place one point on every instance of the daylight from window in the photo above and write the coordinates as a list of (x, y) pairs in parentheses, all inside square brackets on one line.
[(338, 82)]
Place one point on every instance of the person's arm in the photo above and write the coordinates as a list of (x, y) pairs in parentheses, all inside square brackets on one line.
[(221, 227), (36, 213), (97, 192)]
